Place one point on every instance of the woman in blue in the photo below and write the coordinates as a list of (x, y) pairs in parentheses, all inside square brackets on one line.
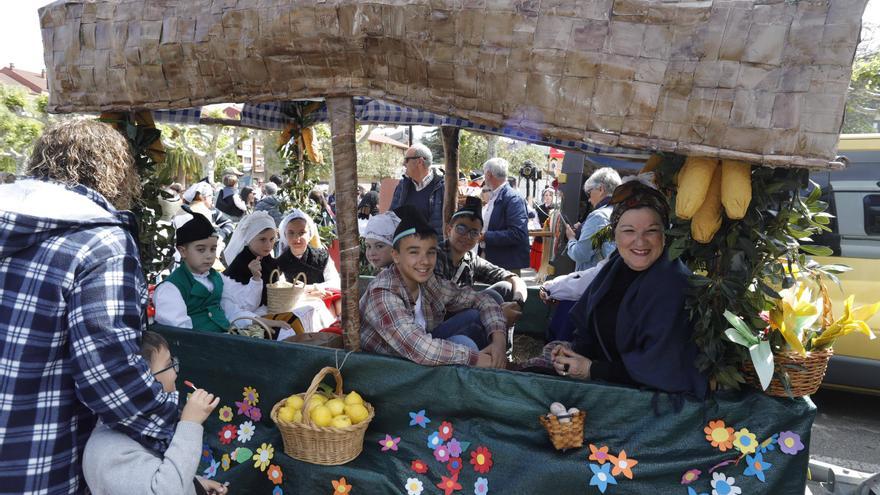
[(631, 323)]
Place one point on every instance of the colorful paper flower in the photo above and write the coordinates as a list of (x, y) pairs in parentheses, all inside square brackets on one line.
[(690, 476), (691, 491), (251, 396), (599, 455), (448, 485), (414, 486), (275, 475), (419, 466), (389, 443), (434, 440), (227, 434), (441, 453), (277, 491), (790, 442), (755, 466), (242, 455), (454, 465), (246, 431), (225, 414), (720, 435), (243, 407), (745, 441), (723, 485), (445, 430), (768, 445), (481, 486), (263, 456), (454, 448), (254, 413), (418, 418), (482, 460), (211, 470), (602, 477), (620, 464), (207, 453), (340, 487), (225, 462)]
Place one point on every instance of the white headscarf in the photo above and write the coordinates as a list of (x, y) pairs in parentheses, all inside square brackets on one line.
[(311, 228), (203, 188), (381, 227), (249, 227)]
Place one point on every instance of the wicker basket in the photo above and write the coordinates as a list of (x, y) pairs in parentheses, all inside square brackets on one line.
[(565, 435), (263, 330), (283, 299), (804, 372), (321, 445)]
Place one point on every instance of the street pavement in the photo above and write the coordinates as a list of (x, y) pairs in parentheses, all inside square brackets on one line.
[(847, 430)]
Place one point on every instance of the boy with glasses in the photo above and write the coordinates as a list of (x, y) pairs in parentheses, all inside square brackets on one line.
[(114, 463)]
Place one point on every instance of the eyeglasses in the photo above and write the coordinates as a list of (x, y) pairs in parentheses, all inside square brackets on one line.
[(463, 230), (175, 363), (406, 159)]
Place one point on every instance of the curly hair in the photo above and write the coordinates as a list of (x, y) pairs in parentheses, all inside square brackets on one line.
[(91, 153)]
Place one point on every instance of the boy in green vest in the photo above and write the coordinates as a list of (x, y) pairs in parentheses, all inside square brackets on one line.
[(197, 296)]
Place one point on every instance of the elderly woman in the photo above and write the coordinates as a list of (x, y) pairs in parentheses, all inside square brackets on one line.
[(598, 187), (631, 323)]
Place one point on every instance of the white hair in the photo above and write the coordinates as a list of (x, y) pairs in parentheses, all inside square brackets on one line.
[(497, 167), (423, 151), (606, 177), (270, 188)]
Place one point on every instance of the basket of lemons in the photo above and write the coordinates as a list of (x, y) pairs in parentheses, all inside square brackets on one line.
[(325, 429)]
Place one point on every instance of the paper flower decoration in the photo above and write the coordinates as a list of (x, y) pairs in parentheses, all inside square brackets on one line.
[(243, 407), (745, 441), (227, 434), (481, 486), (263, 456), (482, 460), (445, 430), (602, 477), (768, 445), (243, 454), (599, 455), (418, 418), (207, 454), (246, 431), (620, 464), (755, 466), (720, 435), (211, 470), (277, 491), (454, 448), (414, 486), (691, 491), (225, 462), (448, 485), (225, 414), (690, 476), (275, 475), (441, 453), (340, 487), (454, 465), (434, 441), (419, 466), (254, 413), (722, 485), (389, 443), (790, 442), (251, 396)]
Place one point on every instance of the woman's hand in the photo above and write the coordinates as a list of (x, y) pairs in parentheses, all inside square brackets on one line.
[(545, 297), (256, 269), (313, 291), (569, 233), (212, 487), (566, 362)]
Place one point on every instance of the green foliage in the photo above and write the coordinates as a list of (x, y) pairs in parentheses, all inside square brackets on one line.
[(21, 122), (179, 164), (377, 164), (472, 151), (519, 154), (863, 101), (434, 141)]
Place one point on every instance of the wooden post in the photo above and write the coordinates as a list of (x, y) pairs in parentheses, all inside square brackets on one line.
[(341, 113), (450, 149)]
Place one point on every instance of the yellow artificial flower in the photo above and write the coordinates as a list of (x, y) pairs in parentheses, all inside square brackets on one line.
[(853, 320), (796, 311)]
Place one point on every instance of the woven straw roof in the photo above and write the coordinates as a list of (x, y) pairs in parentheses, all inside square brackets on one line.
[(764, 80)]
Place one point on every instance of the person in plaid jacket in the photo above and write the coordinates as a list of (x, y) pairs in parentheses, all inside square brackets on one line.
[(71, 300)]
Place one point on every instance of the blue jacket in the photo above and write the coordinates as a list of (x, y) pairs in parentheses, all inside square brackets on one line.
[(435, 214), (581, 250), (507, 235)]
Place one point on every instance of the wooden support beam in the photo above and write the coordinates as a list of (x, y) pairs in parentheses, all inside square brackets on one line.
[(341, 113), (450, 149)]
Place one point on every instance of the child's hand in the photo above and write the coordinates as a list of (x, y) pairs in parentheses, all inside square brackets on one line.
[(212, 487), (199, 406), (256, 269)]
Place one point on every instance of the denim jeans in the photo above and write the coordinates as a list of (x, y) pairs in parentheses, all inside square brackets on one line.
[(464, 324)]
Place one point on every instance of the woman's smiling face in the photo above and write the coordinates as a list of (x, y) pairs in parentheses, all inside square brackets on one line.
[(639, 237)]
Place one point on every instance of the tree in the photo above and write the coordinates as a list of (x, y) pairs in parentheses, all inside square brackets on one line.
[(22, 119), (518, 154), (434, 141), (863, 101), (380, 163), (212, 145), (472, 152)]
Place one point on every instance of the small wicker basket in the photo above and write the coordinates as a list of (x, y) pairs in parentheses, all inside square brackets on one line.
[(321, 445), (283, 299), (261, 330), (804, 372), (565, 435)]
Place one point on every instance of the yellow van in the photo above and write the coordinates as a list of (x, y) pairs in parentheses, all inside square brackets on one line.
[(853, 196)]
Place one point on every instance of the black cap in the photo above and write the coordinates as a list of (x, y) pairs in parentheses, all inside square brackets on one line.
[(412, 222), (473, 207), (195, 229)]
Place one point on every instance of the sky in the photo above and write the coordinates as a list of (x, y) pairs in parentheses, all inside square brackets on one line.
[(21, 44)]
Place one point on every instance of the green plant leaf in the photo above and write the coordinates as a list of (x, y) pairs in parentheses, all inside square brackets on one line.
[(817, 250), (762, 359)]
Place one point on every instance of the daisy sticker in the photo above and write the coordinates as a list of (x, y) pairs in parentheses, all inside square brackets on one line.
[(225, 414), (389, 443), (227, 434), (413, 486), (722, 485), (246, 431), (263, 456), (251, 396), (275, 475), (418, 418), (482, 460)]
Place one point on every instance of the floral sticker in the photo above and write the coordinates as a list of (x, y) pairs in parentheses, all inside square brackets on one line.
[(448, 485), (599, 455), (243, 407), (481, 486), (225, 414), (227, 434), (723, 485), (691, 491), (414, 486), (434, 440), (790, 442), (263, 456), (277, 491), (225, 462), (690, 476), (745, 441), (755, 466), (454, 465), (602, 477), (720, 435), (620, 464), (275, 475), (207, 453), (445, 430), (768, 445), (389, 443), (454, 448), (246, 431), (211, 470), (441, 453), (341, 487), (419, 466), (243, 454), (418, 418), (251, 396), (254, 413), (482, 460)]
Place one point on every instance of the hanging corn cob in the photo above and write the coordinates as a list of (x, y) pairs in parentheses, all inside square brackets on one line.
[(736, 188), (707, 220), (694, 179)]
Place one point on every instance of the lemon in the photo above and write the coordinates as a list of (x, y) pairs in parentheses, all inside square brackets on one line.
[(295, 402), (353, 398), (318, 397), (341, 421), (357, 412), (321, 416), (315, 401), (336, 406), (298, 416), (286, 414)]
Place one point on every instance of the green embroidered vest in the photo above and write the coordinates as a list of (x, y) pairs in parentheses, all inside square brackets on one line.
[(202, 306)]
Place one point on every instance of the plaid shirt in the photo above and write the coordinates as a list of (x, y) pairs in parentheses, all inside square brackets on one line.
[(388, 323), (473, 268), (70, 324)]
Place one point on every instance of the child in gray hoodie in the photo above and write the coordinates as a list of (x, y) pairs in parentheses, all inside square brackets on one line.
[(113, 463)]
